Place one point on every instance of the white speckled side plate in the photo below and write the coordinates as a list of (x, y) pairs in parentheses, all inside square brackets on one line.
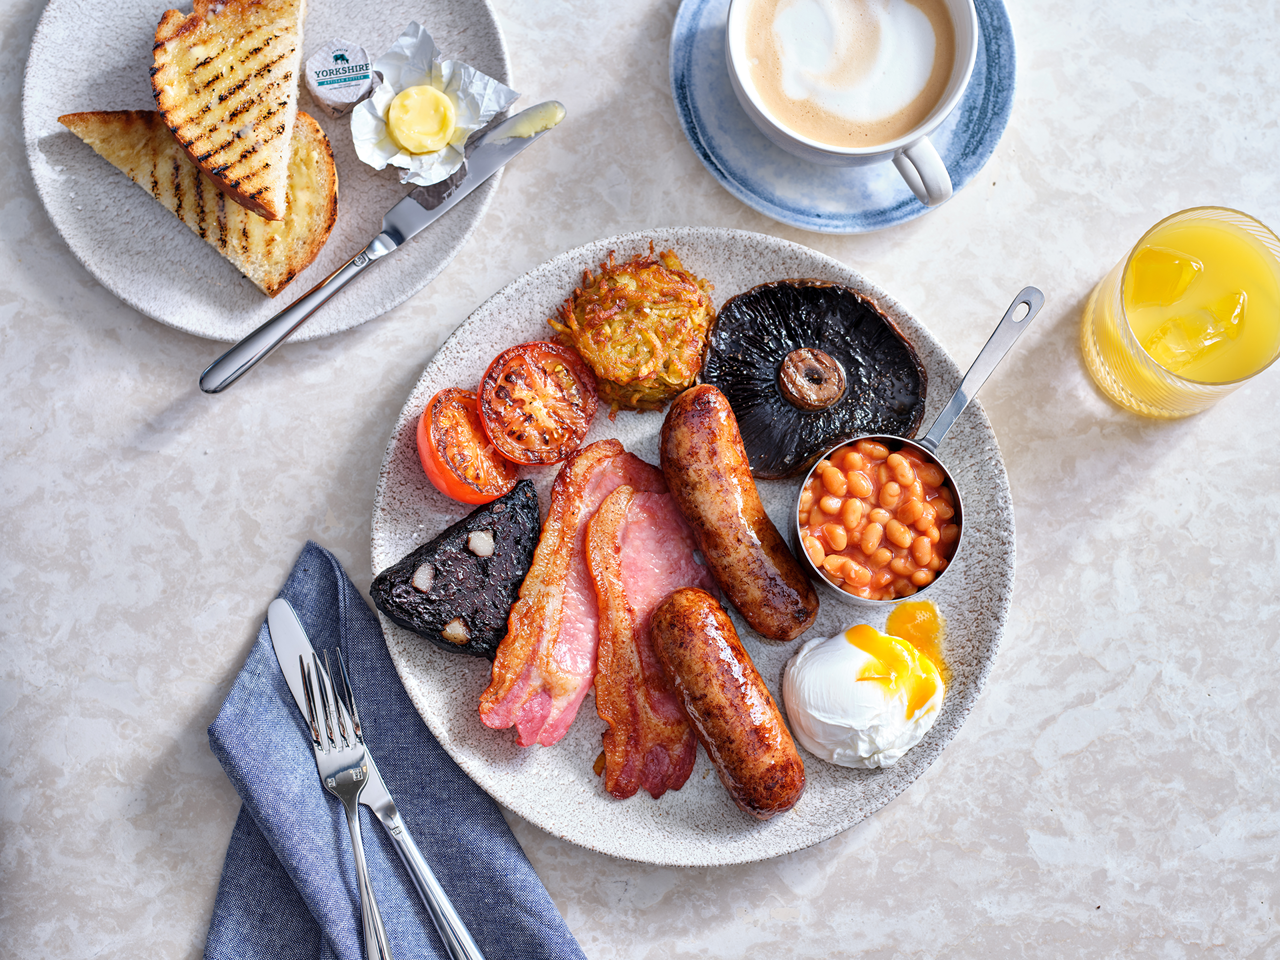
[(92, 56), (554, 787)]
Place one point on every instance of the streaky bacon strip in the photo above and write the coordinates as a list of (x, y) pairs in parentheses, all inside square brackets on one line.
[(640, 549), (546, 663)]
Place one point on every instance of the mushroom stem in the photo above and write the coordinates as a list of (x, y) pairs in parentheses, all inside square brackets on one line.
[(811, 379)]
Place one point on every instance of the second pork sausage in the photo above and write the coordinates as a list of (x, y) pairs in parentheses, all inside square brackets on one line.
[(727, 703)]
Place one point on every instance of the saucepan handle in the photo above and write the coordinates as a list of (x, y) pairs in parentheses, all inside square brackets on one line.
[(1015, 320)]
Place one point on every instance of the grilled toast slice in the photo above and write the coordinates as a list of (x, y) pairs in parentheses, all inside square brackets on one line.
[(225, 79), (268, 252)]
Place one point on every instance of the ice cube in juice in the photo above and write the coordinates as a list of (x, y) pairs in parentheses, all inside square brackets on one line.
[(1203, 300), (1182, 340), (1161, 276)]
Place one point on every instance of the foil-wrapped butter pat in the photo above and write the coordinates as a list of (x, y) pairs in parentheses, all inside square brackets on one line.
[(414, 61), (339, 76)]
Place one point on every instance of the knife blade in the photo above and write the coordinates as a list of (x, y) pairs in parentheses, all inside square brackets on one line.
[(289, 640), (486, 154)]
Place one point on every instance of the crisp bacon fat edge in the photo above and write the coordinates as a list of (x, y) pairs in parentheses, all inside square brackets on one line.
[(547, 661), (639, 550), (613, 546)]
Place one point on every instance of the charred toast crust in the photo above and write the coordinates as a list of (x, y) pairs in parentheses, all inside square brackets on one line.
[(233, 108), (269, 253)]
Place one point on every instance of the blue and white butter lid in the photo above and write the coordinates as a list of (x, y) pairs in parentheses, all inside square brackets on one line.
[(339, 75)]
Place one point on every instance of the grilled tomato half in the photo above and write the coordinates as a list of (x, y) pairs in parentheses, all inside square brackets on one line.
[(536, 402), (456, 453)]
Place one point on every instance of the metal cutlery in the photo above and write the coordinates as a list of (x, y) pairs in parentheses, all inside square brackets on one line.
[(290, 642), (486, 155), (341, 758)]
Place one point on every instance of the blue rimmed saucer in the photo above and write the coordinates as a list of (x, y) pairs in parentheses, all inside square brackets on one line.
[(805, 195)]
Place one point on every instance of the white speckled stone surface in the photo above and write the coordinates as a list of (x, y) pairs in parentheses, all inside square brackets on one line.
[(1114, 791)]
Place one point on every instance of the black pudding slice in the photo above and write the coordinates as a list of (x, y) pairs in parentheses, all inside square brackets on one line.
[(457, 590)]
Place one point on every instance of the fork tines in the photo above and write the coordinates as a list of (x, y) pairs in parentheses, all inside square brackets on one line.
[(309, 694), (331, 705), (349, 695)]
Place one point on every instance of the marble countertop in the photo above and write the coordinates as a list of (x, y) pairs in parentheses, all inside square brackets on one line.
[(1114, 792)]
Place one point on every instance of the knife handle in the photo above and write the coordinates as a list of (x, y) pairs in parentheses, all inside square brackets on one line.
[(260, 344), (457, 939)]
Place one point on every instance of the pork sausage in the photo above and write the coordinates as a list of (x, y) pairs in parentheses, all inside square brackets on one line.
[(705, 466), (727, 703)]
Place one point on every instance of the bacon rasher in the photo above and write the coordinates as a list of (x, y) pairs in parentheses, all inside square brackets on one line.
[(640, 549), (547, 661)]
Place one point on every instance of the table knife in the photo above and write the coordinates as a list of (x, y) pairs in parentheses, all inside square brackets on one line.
[(486, 155), (290, 641)]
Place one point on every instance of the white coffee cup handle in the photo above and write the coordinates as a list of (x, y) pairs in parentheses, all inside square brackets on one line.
[(924, 172)]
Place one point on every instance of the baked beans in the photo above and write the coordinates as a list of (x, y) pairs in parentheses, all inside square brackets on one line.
[(878, 524)]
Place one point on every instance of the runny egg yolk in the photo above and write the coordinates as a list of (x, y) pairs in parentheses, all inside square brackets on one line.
[(896, 664), (920, 624), (421, 119)]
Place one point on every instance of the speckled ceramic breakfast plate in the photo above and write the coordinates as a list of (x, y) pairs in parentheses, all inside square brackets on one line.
[(554, 787), (805, 195), (98, 57)]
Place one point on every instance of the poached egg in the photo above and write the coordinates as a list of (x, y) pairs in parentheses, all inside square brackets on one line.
[(861, 698)]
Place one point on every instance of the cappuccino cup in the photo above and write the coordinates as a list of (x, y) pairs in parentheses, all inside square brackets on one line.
[(855, 82)]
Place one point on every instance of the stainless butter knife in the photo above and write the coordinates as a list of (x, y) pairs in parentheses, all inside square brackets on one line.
[(486, 155), (290, 641)]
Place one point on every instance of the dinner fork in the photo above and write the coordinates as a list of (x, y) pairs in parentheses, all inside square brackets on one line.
[(342, 762)]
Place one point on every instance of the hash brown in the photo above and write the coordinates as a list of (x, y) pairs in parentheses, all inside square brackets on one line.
[(642, 326)]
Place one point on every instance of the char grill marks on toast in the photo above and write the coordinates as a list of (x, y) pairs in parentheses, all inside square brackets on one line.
[(268, 252), (225, 79)]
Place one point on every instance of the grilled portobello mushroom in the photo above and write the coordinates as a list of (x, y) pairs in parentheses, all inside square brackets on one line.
[(806, 365), (458, 589)]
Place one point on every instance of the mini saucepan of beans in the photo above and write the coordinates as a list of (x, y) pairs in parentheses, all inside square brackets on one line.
[(880, 518)]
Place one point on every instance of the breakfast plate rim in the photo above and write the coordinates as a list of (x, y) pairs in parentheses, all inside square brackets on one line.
[(407, 511)]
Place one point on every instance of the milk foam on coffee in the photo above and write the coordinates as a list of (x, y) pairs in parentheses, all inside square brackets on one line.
[(850, 73)]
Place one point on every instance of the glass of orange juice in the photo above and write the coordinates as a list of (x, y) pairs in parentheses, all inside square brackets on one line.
[(1192, 312)]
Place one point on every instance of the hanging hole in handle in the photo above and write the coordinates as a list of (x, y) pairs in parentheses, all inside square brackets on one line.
[(1025, 305)]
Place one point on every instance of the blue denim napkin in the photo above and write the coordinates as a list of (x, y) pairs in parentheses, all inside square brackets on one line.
[(288, 887)]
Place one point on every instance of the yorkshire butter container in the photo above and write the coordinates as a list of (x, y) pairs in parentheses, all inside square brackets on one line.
[(339, 75)]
